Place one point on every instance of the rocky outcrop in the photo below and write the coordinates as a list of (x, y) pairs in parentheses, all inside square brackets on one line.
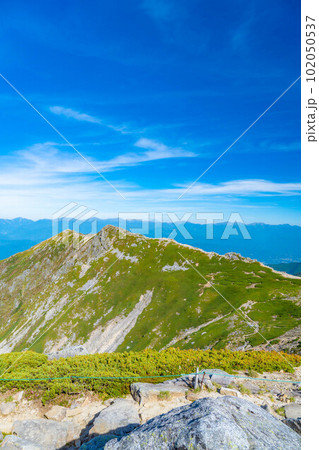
[(109, 338), (211, 424), (169, 414), (47, 434), (68, 352), (148, 392), (119, 418)]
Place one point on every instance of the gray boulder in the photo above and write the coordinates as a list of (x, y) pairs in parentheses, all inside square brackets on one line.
[(7, 408), (16, 443), (69, 351), (148, 392), (211, 424), (219, 376), (227, 391), (119, 418), (292, 411), (56, 413), (253, 388), (48, 434)]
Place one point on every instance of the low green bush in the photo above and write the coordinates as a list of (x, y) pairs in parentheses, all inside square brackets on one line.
[(18, 370)]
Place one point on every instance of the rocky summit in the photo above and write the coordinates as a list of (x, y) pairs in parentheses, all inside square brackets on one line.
[(211, 424), (108, 294)]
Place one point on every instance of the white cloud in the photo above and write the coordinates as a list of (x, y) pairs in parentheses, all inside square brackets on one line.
[(82, 117), (243, 187), (37, 181), (45, 161), (155, 151), (71, 113)]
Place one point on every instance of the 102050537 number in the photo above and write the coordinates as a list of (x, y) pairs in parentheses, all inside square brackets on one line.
[(310, 49)]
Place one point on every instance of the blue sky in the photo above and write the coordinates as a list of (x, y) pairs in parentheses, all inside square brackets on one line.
[(151, 92)]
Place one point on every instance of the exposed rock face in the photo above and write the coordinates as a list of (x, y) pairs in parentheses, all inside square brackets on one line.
[(211, 424), (67, 352), (119, 418), (294, 424), (113, 335), (47, 434)]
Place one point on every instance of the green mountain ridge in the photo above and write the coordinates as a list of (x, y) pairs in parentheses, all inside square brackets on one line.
[(116, 294)]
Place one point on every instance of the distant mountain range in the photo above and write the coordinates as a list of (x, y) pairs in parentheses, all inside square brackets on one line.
[(293, 268), (270, 244), (113, 294)]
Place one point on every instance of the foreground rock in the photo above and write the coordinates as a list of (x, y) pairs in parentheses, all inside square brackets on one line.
[(98, 442), (294, 424), (211, 424), (47, 434), (16, 443), (119, 418)]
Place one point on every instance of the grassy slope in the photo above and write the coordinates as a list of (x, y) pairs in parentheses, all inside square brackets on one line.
[(180, 300)]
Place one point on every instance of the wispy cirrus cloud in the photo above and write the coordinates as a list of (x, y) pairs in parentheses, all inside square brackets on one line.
[(154, 151), (46, 163), (160, 151), (247, 187), (37, 181), (42, 161), (73, 114)]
